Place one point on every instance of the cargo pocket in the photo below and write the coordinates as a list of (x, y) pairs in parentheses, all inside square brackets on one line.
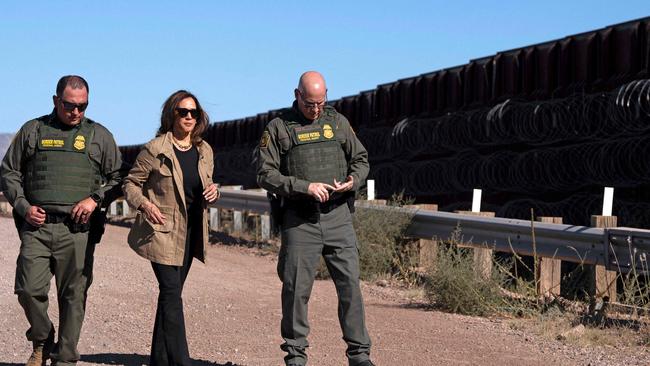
[(167, 227), (162, 179)]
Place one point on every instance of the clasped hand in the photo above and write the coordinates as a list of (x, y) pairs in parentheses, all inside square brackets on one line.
[(80, 213), (321, 191)]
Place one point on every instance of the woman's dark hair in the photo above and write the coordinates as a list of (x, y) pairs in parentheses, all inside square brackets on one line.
[(168, 115)]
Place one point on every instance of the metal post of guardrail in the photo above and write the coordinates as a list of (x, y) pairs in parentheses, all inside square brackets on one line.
[(237, 216), (550, 269), (428, 249), (482, 256), (605, 280)]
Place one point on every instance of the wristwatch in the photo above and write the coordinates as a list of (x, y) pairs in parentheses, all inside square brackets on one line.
[(95, 197)]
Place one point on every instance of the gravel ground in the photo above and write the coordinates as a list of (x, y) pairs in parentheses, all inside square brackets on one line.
[(232, 310)]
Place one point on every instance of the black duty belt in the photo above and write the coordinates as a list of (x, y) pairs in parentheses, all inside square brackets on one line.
[(56, 218), (311, 206)]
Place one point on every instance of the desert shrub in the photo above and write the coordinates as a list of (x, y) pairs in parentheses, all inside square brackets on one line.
[(453, 285)]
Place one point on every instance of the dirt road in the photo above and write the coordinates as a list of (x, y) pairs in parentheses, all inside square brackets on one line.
[(232, 310)]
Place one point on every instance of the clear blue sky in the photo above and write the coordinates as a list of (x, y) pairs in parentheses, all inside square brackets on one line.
[(244, 57)]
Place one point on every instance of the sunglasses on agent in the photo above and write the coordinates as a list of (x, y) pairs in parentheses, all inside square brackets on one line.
[(182, 112), (69, 107)]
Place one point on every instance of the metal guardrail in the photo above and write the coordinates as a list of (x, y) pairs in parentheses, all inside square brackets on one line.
[(619, 249), (566, 242), (578, 244), (255, 201), (628, 249)]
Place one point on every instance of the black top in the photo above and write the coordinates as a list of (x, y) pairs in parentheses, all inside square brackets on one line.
[(189, 163)]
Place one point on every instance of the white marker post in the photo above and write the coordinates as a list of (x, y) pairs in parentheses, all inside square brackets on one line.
[(125, 209), (371, 189), (476, 201), (112, 210), (608, 200)]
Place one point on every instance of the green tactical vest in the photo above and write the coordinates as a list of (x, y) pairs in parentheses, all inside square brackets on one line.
[(61, 172), (316, 154)]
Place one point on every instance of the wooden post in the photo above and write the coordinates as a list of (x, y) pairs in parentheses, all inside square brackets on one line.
[(5, 207), (550, 269), (264, 223), (428, 249), (266, 226), (214, 219), (605, 280), (482, 256), (237, 216)]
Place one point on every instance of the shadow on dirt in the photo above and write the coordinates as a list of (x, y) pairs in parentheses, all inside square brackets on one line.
[(223, 238), (133, 360)]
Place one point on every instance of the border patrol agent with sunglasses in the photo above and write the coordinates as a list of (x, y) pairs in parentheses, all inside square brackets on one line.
[(311, 161), (56, 173)]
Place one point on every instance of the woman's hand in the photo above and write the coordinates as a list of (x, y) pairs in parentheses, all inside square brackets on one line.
[(152, 213), (211, 193)]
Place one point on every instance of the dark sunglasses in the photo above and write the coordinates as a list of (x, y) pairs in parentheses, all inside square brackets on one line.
[(182, 112), (69, 107)]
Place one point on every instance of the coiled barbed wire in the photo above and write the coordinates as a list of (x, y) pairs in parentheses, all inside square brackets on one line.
[(580, 117), (538, 154), (540, 170)]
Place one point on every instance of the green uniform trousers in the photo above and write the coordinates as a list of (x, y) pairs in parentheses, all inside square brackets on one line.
[(304, 241), (46, 251)]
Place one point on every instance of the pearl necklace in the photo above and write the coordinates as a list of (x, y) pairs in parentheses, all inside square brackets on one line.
[(180, 146)]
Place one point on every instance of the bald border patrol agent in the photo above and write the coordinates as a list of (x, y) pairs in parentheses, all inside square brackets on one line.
[(312, 163), (56, 173)]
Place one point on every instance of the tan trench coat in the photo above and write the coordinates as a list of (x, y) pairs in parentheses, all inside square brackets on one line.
[(157, 177)]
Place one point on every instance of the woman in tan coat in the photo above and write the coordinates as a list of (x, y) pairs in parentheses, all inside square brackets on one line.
[(170, 184)]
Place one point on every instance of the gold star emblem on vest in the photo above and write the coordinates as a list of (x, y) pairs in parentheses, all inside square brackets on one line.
[(327, 131), (79, 142)]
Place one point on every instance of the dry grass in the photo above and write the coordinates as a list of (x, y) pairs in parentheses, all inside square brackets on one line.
[(568, 328)]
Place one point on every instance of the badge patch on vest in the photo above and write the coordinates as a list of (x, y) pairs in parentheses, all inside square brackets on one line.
[(308, 134), (327, 131), (264, 141), (52, 143), (79, 142)]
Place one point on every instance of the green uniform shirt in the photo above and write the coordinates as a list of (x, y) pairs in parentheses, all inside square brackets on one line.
[(275, 142), (102, 150)]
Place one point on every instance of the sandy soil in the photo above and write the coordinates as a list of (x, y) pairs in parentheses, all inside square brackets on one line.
[(232, 310)]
